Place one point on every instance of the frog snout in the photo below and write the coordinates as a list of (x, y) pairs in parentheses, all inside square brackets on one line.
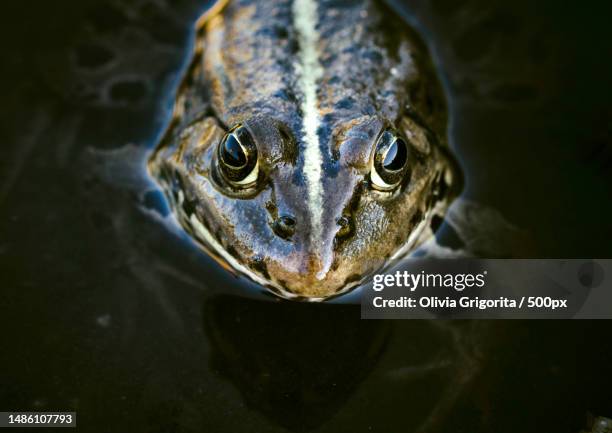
[(305, 274), (306, 267)]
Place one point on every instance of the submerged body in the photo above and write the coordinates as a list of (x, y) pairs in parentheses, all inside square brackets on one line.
[(307, 147)]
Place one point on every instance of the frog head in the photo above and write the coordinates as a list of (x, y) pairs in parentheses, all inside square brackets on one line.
[(306, 223)]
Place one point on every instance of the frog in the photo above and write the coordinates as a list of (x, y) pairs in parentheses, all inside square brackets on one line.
[(308, 144)]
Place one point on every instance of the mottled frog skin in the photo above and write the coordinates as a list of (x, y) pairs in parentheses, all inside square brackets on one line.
[(307, 147)]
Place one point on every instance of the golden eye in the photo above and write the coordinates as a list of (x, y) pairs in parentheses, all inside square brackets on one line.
[(390, 162), (237, 155)]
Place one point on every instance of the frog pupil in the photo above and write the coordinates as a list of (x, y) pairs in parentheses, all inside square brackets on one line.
[(396, 156), (233, 153)]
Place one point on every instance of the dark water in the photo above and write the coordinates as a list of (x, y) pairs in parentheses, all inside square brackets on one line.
[(107, 312)]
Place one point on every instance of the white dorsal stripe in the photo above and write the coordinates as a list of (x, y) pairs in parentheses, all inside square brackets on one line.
[(309, 72)]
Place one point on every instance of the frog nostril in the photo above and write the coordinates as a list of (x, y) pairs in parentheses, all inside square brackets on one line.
[(287, 220), (284, 226), (346, 226), (343, 221)]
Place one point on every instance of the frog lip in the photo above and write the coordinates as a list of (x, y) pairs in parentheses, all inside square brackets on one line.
[(302, 290), (310, 279)]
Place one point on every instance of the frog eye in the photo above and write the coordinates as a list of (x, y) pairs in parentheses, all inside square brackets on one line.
[(237, 155), (390, 162)]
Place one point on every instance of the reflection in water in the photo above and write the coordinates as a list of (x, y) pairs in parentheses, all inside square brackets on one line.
[(300, 363), (296, 363)]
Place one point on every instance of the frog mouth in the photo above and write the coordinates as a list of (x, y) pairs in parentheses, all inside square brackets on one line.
[(261, 276)]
